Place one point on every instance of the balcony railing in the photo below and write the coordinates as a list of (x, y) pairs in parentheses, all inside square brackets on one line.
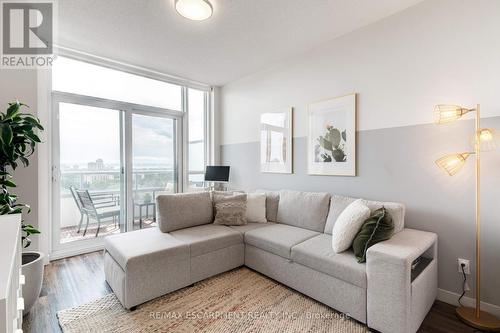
[(105, 186)]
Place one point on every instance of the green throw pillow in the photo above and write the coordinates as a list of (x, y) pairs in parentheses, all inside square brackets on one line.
[(377, 228)]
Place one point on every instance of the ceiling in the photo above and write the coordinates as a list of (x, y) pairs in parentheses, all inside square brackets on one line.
[(242, 37)]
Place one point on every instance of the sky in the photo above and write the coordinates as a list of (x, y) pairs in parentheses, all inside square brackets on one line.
[(88, 133)]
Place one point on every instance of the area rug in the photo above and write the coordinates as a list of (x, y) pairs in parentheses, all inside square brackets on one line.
[(237, 301)]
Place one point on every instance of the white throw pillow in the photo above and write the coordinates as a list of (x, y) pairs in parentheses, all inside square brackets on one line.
[(348, 225), (256, 207)]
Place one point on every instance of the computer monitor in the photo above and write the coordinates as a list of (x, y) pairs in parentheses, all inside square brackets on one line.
[(217, 174)]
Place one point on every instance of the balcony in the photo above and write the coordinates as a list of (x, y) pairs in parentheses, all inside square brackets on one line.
[(105, 188)]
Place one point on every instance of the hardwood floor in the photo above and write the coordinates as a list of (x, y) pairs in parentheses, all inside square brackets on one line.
[(77, 280), (67, 283)]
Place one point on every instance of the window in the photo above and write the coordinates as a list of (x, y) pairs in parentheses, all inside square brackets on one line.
[(197, 101), (118, 140), (82, 78)]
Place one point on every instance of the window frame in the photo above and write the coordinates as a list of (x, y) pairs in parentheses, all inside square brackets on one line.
[(127, 110), (50, 97), (206, 136), (185, 85)]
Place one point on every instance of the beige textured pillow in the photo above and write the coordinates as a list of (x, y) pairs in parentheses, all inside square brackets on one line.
[(230, 209)]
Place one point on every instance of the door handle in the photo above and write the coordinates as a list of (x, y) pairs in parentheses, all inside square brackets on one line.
[(55, 174)]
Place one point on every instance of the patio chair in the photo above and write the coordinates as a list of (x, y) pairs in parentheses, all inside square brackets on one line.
[(105, 199), (79, 205), (97, 213)]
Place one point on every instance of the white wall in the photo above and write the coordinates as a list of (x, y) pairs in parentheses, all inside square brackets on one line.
[(22, 85), (440, 51)]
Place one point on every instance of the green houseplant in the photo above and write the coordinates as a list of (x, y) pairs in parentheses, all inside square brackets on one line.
[(18, 139)]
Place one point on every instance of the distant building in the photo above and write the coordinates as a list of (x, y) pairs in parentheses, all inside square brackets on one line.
[(98, 165)]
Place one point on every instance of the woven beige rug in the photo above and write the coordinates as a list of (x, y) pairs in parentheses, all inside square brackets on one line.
[(237, 301)]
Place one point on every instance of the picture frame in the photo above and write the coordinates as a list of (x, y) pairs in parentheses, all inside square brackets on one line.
[(332, 137), (276, 141)]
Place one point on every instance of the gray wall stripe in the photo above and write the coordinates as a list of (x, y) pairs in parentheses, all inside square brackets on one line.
[(397, 164)]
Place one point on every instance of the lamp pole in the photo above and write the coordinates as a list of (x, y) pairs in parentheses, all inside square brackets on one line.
[(478, 210), (451, 164)]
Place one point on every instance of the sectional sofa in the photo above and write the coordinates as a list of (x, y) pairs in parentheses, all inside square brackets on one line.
[(293, 247)]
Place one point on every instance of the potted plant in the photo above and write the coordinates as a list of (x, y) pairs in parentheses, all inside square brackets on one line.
[(18, 139), (147, 198)]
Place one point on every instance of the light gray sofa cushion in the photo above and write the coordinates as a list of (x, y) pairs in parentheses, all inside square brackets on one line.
[(216, 262), (183, 210), (207, 238), (272, 202), (148, 244), (317, 253), (340, 295), (278, 238), (338, 203), (304, 209), (396, 211), (250, 226)]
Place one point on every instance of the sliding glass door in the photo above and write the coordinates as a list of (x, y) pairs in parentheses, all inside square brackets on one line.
[(88, 179), (154, 164), (110, 161), (121, 135)]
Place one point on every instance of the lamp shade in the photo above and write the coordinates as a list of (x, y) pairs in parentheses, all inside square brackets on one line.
[(444, 113), (452, 163), (488, 139)]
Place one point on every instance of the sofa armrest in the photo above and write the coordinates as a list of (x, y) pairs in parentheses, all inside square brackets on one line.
[(389, 285)]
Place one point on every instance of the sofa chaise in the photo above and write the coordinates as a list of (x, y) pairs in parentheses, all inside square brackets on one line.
[(293, 247)]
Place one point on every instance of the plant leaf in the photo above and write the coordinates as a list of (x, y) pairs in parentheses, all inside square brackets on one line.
[(7, 183), (12, 110), (33, 121), (18, 138), (6, 134), (15, 211), (26, 241), (33, 136)]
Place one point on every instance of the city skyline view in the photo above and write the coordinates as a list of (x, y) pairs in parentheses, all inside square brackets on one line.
[(152, 138)]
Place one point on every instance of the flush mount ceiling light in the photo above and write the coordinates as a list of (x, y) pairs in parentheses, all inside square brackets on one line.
[(196, 10)]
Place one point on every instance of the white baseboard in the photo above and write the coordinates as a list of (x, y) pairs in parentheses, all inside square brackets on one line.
[(55, 255), (452, 298)]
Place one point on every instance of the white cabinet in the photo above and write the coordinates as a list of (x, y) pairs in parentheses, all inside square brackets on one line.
[(11, 279)]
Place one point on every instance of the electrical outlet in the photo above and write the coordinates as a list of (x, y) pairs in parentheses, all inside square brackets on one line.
[(466, 263)]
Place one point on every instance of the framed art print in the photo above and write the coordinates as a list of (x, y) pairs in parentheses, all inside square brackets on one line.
[(332, 137), (276, 141)]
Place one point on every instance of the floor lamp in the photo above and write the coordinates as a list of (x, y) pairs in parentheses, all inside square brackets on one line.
[(452, 163)]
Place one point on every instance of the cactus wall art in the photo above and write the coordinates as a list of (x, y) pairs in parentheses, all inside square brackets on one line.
[(331, 146), (332, 137)]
